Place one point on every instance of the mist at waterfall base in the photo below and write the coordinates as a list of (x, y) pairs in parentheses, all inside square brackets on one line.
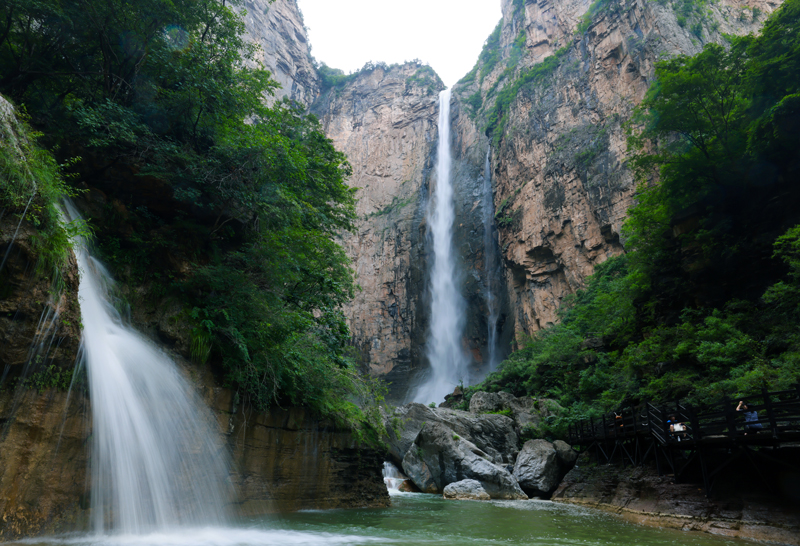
[(446, 355)]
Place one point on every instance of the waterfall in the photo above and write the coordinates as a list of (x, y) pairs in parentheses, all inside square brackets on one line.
[(491, 263), (156, 459), (392, 477), (446, 355)]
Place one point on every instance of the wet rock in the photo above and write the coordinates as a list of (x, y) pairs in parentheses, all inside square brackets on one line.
[(537, 468), (466, 490), (439, 457), (492, 434)]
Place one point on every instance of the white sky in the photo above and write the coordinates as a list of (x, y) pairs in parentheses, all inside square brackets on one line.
[(447, 34)]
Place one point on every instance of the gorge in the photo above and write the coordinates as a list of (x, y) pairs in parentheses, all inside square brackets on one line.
[(471, 220)]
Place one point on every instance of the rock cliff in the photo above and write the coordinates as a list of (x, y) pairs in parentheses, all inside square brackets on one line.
[(562, 189), (384, 120), (277, 28)]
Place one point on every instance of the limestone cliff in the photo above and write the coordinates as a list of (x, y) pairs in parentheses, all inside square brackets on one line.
[(277, 28), (384, 120), (562, 189)]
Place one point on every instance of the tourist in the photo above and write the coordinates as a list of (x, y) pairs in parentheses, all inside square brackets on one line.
[(677, 428), (750, 418)]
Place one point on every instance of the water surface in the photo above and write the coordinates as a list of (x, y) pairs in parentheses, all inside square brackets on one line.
[(417, 519)]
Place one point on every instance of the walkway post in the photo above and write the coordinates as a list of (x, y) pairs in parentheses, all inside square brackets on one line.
[(770, 413)]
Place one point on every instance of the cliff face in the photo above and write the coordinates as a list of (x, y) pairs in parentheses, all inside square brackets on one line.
[(385, 120), (277, 28), (562, 189)]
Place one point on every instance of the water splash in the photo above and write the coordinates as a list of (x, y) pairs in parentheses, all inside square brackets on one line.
[(447, 357), (492, 265), (156, 458)]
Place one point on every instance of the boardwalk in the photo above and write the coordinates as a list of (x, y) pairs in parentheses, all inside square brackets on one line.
[(641, 433)]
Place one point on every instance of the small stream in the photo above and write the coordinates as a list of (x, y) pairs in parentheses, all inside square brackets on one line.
[(419, 519)]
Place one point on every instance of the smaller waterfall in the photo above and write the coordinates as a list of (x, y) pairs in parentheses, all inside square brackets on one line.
[(156, 458), (492, 265), (392, 477)]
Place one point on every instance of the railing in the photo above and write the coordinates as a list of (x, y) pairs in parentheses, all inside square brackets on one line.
[(778, 412)]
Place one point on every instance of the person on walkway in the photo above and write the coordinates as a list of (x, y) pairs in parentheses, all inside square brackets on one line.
[(677, 428), (750, 418)]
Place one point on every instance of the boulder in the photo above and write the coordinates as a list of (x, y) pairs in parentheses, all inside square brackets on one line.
[(439, 457), (537, 469), (466, 490), (495, 435), (526, 412), (566, 456)]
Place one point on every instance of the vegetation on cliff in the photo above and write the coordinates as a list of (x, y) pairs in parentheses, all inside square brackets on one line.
[(705, 302), (31, 184), (204, 197)]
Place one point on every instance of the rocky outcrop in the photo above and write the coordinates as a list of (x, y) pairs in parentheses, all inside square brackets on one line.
[(527, 412), (277, 28), (438, 457), (466, 490), (562, 188), (739, 509), (493, 434)]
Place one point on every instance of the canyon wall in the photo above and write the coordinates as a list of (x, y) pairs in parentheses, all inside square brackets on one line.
[(277, 28), (384, 120), (562, 188)]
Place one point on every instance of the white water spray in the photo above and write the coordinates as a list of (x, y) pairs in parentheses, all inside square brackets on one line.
[(392, 477), (446, 355), (492, 265), (156, 459)]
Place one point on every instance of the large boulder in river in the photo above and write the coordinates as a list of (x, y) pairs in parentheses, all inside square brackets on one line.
[(439, 457), (466, 490), (538, 469), (526, 411), (494, 435)]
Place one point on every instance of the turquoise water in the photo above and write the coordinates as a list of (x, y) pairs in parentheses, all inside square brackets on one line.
[(417, 519), (427, 519)]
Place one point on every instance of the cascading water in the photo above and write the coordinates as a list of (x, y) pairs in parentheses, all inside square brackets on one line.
[(448, 360), (156, 460), (492, 265), (392, 477)]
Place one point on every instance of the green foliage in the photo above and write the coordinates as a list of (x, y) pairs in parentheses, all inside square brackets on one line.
[(497, 116), (32, 183), (224, 204), (507, 412), (52, 377), (596, 9), (490, 54), (425, 77)]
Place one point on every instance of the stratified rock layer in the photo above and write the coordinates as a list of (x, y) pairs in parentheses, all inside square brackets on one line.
[(277, 28)]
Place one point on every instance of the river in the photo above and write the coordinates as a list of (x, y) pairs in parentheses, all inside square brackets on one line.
[(417, 519)]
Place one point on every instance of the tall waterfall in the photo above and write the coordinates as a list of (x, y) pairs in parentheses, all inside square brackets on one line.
[(492, 265), (156, 459), (448, 360)]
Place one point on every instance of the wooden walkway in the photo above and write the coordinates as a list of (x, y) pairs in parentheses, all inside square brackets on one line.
[(643, 432)]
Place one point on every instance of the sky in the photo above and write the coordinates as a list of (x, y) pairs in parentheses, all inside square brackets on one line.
[(446, 34)]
